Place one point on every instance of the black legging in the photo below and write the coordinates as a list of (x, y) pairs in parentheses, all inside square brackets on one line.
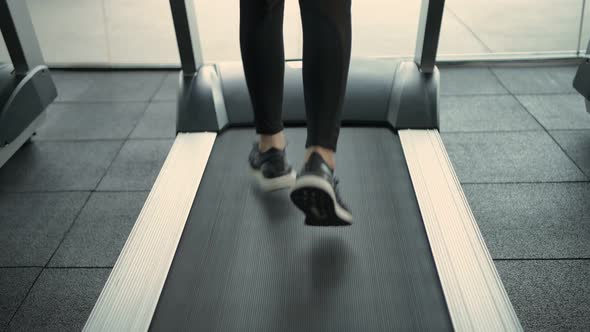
[(326, 58)]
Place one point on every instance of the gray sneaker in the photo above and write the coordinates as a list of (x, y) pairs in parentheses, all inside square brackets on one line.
[(316, 194), (271, 168)]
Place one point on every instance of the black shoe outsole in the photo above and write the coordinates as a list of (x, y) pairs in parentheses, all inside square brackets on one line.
[(318, 207)]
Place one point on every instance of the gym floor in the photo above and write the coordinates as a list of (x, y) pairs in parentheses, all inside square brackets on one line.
[(518, 137)]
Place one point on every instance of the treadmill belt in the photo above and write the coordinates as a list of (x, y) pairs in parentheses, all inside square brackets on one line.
[(246, 262)]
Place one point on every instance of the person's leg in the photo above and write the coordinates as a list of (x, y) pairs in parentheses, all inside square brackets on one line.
[(326, 57), (261, 45)]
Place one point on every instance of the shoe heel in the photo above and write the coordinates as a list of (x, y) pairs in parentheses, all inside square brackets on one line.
[(278, 183)]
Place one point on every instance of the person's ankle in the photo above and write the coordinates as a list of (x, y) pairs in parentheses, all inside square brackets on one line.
[(267, 142), (326, 154)]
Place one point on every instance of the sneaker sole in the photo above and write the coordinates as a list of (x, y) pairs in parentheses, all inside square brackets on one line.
[(272, 184), (315, 197)]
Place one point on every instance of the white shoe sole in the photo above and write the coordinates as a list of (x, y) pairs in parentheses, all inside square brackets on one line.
[(316, 198), (272, 184)]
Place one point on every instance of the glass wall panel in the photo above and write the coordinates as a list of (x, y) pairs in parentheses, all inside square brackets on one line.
[(384, 28), (71, 31), (141, 33), (513, 26)]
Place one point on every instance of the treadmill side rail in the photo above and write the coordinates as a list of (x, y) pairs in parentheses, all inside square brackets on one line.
[(130, 296), (475, 296)]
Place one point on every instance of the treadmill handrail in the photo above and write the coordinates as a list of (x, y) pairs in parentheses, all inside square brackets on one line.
[(429, 27), (19, 34), (187, 35), (190, 50)]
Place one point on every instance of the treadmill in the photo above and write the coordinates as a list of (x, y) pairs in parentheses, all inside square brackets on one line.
[(211, 252), (582, 79), (26, 87)]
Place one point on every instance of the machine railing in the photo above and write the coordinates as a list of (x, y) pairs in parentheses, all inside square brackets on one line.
[(429, 27), (187, 35), (191, 55), (19, 36)]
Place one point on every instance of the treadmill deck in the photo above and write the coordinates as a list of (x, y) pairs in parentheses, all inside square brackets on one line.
[(246, 262)]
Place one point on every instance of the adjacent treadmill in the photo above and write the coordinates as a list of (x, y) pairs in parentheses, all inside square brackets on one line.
[(26, 88), (582, 79), (211, 252)]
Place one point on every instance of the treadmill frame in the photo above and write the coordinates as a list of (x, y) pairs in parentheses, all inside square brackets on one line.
[(413, 100), (474, 293), (33, 88), (582, 79)]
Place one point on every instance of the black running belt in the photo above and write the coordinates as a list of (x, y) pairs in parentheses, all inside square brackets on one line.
[(246, 262)]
